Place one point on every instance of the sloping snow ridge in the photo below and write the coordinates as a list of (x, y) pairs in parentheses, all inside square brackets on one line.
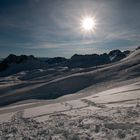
[(112, 114)]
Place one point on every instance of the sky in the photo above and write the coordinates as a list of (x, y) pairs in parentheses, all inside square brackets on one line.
[(50, 28)]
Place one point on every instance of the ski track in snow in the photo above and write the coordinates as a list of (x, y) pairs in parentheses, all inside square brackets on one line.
[(112, 114)]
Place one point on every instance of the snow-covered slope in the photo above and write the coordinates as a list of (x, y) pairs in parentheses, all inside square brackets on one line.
[(133, 55), (112, 114), (105, 106)]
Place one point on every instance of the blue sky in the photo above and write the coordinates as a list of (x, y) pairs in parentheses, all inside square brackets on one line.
[(49, 28)]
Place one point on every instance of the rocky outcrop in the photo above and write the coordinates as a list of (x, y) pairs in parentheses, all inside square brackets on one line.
[(17, 59), (88, 60), (116, 55)]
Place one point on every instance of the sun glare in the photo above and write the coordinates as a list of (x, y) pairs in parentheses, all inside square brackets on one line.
[(88, 24)]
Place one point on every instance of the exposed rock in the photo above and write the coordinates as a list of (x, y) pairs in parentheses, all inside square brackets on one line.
[(17, 59), (116, 55), (13, 64), (127, 52), (88, 60)]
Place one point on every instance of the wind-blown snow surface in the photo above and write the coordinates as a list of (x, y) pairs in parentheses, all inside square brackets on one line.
[(108, 115)]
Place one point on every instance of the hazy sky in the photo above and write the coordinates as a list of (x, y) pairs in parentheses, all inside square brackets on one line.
[(52, 27)]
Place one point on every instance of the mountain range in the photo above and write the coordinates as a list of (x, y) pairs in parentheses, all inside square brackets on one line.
[(13, 63), (30, 78)]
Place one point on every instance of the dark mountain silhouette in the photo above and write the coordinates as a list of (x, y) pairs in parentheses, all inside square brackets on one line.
[(88, 60), (14, 64), (13, 59), (76, 61), (17, 59), (127, 52), (116, 55), (95, 59)]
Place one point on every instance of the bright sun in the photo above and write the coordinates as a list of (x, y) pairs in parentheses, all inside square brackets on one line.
[(88, 24)]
